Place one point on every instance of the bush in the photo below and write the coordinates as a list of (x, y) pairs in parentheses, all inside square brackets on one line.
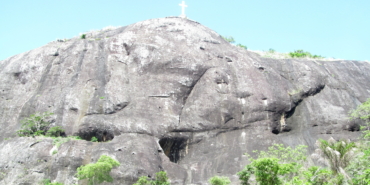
[(56, 131), (216, 180), (35, 125), (303, 54), (160, 179), (97, 172), (94, 139), (273, 166), (83, 36), (363, 112), (242, 46), (229, 39), (48, 182)]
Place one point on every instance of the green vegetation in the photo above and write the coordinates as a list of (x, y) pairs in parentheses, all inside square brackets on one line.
[(160, 179), (242, 46), (56, 131), (97, 172), (35, 125), (363, 112), (229, 39), (274, 166), (48, 182), (94, 139), (216, 180), (359, 167), (303, 54), (83, 36)]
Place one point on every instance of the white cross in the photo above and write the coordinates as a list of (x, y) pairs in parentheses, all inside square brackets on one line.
[(183, 5)]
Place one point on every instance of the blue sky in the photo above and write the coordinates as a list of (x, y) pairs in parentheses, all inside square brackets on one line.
[(330, 28)]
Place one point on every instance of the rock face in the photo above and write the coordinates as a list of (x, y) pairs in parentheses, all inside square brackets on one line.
[(168, 94)]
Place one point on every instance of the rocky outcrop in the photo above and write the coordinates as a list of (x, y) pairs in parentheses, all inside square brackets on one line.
[(167, 94)]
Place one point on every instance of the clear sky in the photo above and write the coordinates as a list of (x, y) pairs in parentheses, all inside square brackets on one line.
[(330, 28)]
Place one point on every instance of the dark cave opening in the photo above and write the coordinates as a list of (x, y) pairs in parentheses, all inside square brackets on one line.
[(101, 135), (173, 147)]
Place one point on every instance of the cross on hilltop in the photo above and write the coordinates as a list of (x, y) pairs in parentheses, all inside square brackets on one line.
[(183, 5)]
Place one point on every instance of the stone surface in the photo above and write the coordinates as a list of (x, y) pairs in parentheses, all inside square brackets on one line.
[(167, 94)]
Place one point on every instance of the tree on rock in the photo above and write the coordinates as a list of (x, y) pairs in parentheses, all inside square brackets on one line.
[(98, 172)]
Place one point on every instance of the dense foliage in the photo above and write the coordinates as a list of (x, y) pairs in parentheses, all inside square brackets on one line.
[(97, 172)]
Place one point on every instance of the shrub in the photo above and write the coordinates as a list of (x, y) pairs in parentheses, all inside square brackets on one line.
[(273, 166), (94, 139), (160, 179), (229, 39), (83, 36), (48, 182), (98, 172), (35, 125), (143, 180), (363, 112), (303, 54), (216, 180), (55, 131), (242, 46)]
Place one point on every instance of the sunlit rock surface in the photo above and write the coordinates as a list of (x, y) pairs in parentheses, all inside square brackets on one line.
[(167, 94)]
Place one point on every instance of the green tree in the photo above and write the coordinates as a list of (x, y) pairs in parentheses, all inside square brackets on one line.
[(36, 124), (359, 168), (277, 165), (335, 154), (363, 112), (216, 180), (97, 172), (267, 171)]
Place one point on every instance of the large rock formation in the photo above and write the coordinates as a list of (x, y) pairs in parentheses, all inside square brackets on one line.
[(168, 94)]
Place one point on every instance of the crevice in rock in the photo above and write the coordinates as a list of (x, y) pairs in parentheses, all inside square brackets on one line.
[(102, 135), (173, 147), (297, 100), (190, 91), (127, 48)]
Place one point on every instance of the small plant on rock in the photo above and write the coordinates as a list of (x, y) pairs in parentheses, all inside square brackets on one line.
[(48, 182), (98, 172), (56, 131), (229, 39), (160, 179), (35, 125), (303, 54), (216, 180), (83, 36), (242, 46), (94, 139)]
